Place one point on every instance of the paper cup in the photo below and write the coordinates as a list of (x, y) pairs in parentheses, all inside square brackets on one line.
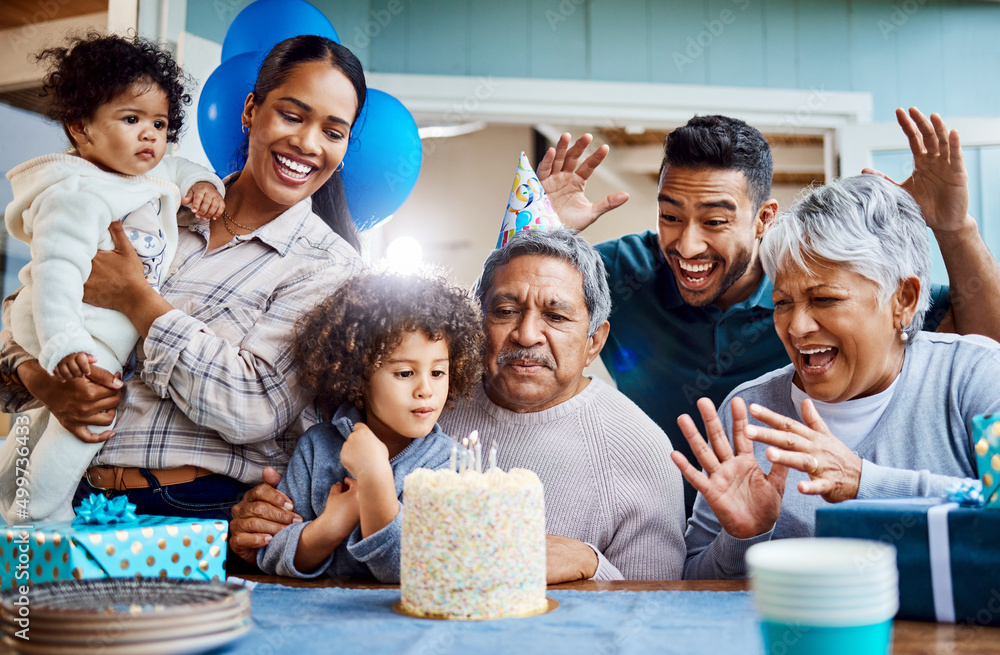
[(821, 596)]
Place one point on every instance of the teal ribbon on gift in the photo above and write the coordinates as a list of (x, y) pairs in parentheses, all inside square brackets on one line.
[(98, 510), (967, 493)]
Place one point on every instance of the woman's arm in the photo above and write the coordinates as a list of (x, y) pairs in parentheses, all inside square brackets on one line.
[(76, 404), (245, 391)]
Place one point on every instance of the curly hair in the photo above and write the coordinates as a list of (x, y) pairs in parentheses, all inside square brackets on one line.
[(97, 68), (341, 342)]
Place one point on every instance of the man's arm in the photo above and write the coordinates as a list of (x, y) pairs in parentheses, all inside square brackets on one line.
[(940, 185)]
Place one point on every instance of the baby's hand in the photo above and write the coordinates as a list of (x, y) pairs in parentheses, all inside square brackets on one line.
[(72, 366), (363, 453), (205, 201), (341, 514)]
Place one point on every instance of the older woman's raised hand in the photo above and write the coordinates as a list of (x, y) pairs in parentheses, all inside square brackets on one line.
[(745, 500), (834, 470)]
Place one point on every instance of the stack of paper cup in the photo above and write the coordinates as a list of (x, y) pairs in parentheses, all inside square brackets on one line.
[(825, 596)]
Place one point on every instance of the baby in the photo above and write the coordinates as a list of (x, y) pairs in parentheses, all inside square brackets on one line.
[(384, 355), (120, 101)]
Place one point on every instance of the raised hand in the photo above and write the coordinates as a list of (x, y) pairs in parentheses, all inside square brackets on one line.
[(745, 500), (565, 182), (834, 470), (939, 182)]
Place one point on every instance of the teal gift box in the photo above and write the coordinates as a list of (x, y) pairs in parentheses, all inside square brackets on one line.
[(148, 547), (947, 555), (986, 436)]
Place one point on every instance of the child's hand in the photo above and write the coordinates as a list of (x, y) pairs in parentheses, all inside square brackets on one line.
[(205, 201), (336, 522), (72, 366), (341, 514), (364, 454)]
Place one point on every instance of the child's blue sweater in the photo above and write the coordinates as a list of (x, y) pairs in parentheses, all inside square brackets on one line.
[(313, 469)]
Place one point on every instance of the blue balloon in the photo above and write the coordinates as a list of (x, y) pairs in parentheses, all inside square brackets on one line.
[(221, 105), (381, 168), (266, 23)]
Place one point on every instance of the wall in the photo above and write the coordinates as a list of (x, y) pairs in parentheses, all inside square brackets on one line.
[(942, 56)]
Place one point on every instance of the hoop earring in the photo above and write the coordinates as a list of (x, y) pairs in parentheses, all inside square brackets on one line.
[(246, 129), (339, 168)]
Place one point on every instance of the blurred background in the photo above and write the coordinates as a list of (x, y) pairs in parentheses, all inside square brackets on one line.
[(486, 79)]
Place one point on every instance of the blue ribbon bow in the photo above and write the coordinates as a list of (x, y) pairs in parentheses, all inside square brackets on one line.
[(967, 493), (98, 510)]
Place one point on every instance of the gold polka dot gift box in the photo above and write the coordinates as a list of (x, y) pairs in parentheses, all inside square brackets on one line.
[(130, 547), (986, 437)]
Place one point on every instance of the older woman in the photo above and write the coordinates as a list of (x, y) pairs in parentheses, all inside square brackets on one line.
[(216, 398), (870, 407)]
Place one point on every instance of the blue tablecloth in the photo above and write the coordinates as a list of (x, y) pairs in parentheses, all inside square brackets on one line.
[(340, 621)]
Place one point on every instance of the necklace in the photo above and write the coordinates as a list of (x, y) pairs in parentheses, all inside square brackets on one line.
[(227, 219)]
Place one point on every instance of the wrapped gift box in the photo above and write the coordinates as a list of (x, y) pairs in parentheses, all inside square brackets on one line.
[(150, 546), (986, 436), (948, 556)]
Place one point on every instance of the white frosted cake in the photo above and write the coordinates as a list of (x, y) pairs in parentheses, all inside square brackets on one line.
[(473, 544)]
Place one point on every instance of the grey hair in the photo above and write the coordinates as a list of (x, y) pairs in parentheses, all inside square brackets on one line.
[(865, 223), (563, 244)]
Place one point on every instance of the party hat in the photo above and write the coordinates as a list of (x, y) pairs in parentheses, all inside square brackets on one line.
[(528, 208)]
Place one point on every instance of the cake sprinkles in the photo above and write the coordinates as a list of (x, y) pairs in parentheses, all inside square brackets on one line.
[(473, 543)]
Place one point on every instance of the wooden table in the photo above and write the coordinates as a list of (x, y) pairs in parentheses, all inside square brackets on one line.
[(909, 637)]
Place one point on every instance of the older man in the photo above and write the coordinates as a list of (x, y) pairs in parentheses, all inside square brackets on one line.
[(613, 499)]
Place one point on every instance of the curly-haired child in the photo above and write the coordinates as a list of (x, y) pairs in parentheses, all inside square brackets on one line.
[(120, 101), (384, 355)]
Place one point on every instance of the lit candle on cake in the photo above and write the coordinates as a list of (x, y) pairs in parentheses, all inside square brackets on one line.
[(478, 448)]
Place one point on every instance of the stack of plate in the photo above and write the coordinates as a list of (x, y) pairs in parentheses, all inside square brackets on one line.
[(125, 615)]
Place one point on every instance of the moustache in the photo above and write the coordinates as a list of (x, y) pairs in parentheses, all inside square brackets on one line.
[(526, 355)]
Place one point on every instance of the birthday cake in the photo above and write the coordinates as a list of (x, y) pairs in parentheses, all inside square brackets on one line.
[(473, 544)]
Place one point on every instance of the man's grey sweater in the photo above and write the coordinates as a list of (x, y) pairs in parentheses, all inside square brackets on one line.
[(606, 470), (920, 446)]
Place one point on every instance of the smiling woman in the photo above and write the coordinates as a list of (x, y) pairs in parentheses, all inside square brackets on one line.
[(871, 407), (216, 396)]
